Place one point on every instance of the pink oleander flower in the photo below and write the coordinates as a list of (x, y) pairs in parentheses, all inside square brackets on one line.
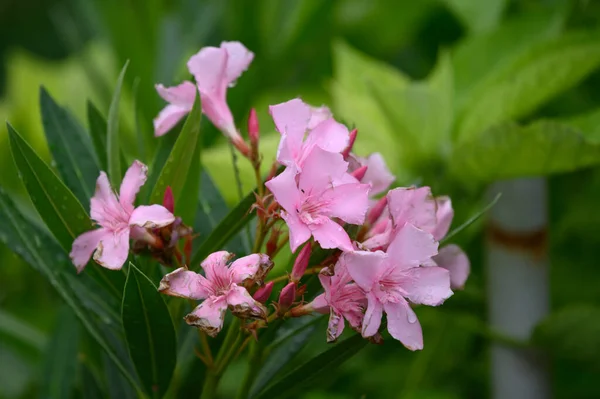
[(215, 69), (378, 175), (322, 191), (303, 128), (119, 220), (221, 288), (391, 279), (181, 100), (341, 299), (451, 257)]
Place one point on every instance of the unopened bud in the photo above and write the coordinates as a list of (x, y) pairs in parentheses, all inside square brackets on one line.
[(273, 242), (346, 152), (301, 263), (168, 200), (187, 249), (287, 297), (253, 128), (263, 293), (375, 212), (272, 171), (360, 172)]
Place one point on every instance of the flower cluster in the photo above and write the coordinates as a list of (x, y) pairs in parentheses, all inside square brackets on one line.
[(379, 247)]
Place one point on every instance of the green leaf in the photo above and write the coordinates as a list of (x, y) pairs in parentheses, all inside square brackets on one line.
[(60, 364), (61, 211), (509, 151), (18, 333), (149, 331), (588, 124), (113, 147), (478, 16), (98, 128), (571, 333), (186, 205), (471, 220), (296, 381), (177, 167), (536, 77), (70, 147)]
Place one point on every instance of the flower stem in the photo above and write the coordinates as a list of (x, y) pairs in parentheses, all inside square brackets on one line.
[(253, 369)]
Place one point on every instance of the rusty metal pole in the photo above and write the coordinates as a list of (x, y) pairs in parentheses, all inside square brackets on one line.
[(518, 286)]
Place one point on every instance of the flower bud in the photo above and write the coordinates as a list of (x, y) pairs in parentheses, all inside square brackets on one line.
[(287, 296), (253, 128), (168, 200), (346, 152), (360, 172), (187, 249), (273, 242), (376, 211), (263, 293), (301, 263)]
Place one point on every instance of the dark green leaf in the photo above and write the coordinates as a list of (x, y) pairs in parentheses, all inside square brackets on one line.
[(113, 147), (478, 16), (177, 167), (60, 364), (98, 129), (186, 205), (20, 335), (165, 146), (71, 148), (149, 331)]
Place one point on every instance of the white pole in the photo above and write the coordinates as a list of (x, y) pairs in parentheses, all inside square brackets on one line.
[(518, 287)]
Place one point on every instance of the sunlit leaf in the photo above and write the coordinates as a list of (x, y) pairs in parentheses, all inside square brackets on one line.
[(113, 146)]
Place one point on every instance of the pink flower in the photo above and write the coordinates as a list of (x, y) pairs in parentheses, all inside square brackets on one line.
[(302, 128), (220, 288), (341, 299), (322, 191), (118, 219), (215, 69), (391, 279), (181, 100), (378, 175)]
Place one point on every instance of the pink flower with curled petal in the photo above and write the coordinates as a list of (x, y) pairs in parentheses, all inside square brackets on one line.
[(303, 128), (319, 193), (396, 278), (118, 220), (341, 299), (181, 100), (215, 69), (221, 287), (378, 174)]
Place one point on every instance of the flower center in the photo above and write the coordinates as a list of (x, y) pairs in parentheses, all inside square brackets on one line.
[(313, 209)]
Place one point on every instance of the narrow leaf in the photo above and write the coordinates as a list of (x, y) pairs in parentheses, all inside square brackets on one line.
[(112, 133), (98, 128), (186, 205), (149, 331), (14, 330), (70, 147), (472, 219)]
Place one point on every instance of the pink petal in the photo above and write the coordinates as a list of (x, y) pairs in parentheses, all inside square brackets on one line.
[(403, 325), (335, 327), (215, 264), (238, 60), (167, 118), (243, 305), (113, 250), (413, 205), (285, 190), (209, 69), (151, 216), (378, 175), (320, 304), (329, 235), (453, 258), (411, 247), (320, 169), (329, 135), (299, 232), (134, 179), (444, 216), (318, 115), (364, 267), (291, 119), (348, 202), (85, 245), (427, 285), (182, 95), (105, 208), (247, 267), (209, 316), (185, 284), (372, 320)]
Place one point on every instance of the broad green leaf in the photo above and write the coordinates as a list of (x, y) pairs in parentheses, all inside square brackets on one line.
[(572, 333), (98, 129), (149, 331), (509, 151), (588, 124), (537, 76), (18, 333), (176, 169), (60, 363), (294, 382), (61, 211), (479, 16), (70, 147), (113, 146)]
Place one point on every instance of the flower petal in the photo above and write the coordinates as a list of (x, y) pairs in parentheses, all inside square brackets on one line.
[(215, 264), (329, 235), (413, 205), (182, 95), (243, 305), (348, 202), (185, 284), (427, 285), (105, 208), (167, 118), (113, 250), (320, 304), (151, 216), (209, 69), (411, 247), (403, 325), (444, 216), (250, 267), (329, 135), (85, 245), (285, 190), (291, 119), (238, 60), (209, 315), (364, 267), (134, 179), (372, 320), (320, 170), (452, 258), (378, 175), (299, 232), (318, 115), (335, 327)]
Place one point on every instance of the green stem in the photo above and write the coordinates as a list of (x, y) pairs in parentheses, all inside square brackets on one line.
[(211, 381), (253, 368)]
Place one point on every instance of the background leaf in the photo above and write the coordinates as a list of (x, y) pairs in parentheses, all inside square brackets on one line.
[(98, 130), (478, 16), (113, 146)]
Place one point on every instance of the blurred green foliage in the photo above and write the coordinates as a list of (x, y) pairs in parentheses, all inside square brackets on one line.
[(440, 87)]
